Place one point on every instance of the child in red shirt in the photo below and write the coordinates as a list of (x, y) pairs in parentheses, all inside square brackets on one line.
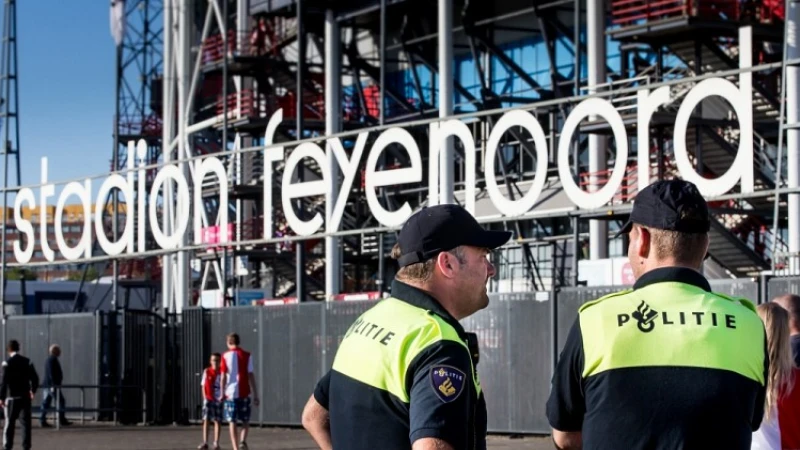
[(212, 407)]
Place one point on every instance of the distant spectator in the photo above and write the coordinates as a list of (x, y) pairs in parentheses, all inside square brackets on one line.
[(780, 428), (791, 303), (20, 382), (212, 407), (239, 380), (53, 379)]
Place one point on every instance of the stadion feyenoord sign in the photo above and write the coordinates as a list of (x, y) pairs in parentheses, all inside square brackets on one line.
[(740, 98)]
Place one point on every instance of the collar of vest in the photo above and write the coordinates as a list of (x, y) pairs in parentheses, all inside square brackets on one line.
[(422, 299), (676, 274)]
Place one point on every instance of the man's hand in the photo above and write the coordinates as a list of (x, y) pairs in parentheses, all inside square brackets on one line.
[(255, 401), (2, 404), (33, 395)]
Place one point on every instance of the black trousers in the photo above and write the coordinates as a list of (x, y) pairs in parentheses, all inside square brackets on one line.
[(17, 408)]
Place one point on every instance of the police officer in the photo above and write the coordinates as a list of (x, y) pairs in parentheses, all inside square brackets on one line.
[(667, 364), (17, 390), (404, 375)]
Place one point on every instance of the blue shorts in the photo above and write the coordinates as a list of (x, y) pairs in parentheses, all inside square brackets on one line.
[(212, 411), (237, 410)]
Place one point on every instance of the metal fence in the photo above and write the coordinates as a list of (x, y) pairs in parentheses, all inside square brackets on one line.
[(76, 334), (520, 336)]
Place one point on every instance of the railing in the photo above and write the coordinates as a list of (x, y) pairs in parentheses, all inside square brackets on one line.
[(138, 125), (115, 410), (627, 190), (249, 103), (787, 264), (635, 12), (268, 36)]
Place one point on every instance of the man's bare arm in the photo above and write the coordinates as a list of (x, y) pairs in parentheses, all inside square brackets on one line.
[(223, 381), (316, 421), (431, 444), (252, 377), (567, 440)]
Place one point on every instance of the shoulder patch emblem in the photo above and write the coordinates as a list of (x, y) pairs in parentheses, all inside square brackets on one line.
[(448, 382)]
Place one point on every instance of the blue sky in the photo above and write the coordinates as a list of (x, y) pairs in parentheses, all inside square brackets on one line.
[(67, 88)]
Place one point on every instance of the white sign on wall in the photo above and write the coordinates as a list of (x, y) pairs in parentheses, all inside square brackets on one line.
[(187, 203)]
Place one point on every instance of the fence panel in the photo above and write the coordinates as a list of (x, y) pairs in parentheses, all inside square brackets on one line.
[(77, 335), (780, 286), (514, 367), (570, 299), (195, 350), (739, 287)]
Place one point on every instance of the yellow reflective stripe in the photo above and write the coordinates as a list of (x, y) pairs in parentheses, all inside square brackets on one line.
[(382, 343), (672, 324), (380, 358)]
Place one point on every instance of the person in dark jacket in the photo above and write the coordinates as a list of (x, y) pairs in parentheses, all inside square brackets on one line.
[(19, 385), (53, 378)]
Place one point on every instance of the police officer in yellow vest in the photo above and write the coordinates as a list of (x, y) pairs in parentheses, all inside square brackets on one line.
[(668, 364), (404, 376)]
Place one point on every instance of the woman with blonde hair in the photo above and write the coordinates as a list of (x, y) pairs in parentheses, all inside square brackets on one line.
[(780, 428)]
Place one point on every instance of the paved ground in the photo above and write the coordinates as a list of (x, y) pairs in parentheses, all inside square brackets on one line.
[(162, 438)]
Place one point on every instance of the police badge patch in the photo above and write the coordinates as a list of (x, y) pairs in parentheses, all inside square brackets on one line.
[(448, 382)]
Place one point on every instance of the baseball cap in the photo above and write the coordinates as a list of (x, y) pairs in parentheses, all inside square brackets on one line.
[(441, 228), (674, 205)]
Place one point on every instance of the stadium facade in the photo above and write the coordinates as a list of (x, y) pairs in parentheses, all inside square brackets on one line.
[(323, 124)]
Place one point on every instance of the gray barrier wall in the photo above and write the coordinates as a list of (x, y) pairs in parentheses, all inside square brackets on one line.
[(78, 337), (293, 346)]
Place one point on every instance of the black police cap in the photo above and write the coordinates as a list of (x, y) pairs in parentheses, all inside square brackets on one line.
[(674, 205), (442, 228)]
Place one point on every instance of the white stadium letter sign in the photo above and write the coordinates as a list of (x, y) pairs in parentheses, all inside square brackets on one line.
[(392, 177), (24, 226), (202, 168), (291, 190), (271, 155), (525, 120), (648, 102), (126, 238), (84, 247), (181, 211), (741, 99), (45, 191), (586, 108), (349, 170)]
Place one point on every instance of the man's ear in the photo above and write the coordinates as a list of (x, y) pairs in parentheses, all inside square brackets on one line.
[(446, 262), (644, 241)]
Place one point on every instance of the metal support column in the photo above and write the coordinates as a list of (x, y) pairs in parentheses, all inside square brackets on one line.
[(300, 264), (333, 86), (184, 85), (9, 119), (447, 156), (170, 47), (596, 59), (793, 134)]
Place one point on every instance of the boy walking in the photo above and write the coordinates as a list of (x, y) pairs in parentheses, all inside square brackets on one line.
[(240, 382), (212, 407)]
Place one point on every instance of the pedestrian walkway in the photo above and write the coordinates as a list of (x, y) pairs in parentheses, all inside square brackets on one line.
[(93, 437)]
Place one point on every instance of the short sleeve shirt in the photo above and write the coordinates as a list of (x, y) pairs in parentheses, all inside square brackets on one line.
[(442, 400), (626, 387)]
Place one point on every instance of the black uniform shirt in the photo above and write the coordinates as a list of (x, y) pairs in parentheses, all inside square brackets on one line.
[(365, 417)]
